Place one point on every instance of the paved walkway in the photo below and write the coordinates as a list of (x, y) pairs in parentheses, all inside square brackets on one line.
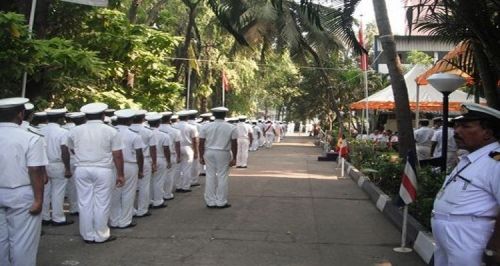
[(287, 209)]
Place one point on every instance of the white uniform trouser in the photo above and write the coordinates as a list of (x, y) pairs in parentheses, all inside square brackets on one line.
[(216, 184), (144, 187), (269, 140), (242, 156), (71, 190), (186, 164), (262, 140), (195, 172), (53, 193), (277, 138), (94, 186), (255, 145), (423, 152), (168, 186), (122, 200), (460, 242), (158, 181), (19, 230)]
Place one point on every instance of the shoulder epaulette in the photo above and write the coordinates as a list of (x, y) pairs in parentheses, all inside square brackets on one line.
[(111, 126), (163, 131), (495, 155), (135, 131), (148, 128), (34, 132)]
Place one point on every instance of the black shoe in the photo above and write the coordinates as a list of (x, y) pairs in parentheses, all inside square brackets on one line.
[(195, 185), (244, 166), (179, 190), (184, 190), (46, 222), (239, 166), (130, 225), (110, 238), (74, 214), (203, 174), (62, 223), (89, 241), (169, 198), (227, 205), (144, 215), (211, 206), (163, 205)]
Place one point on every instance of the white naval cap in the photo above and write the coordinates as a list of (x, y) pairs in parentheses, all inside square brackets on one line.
[(75, 114), (206, 115), (242, 117), (140, 112), (125, 113), (183, 113), (58, 111), (220, 109), (166, 113), (153, 117), (40, 114), (94, 108), (29, 106), (175, 116), (151, 113), (192, 112), (474, 111), (12, 102)]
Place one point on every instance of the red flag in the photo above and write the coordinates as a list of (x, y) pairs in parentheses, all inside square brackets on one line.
[(408, 188), (225, 81), (363, 60)]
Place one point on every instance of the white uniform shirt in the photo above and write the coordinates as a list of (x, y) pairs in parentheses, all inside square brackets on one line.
[(131, 142), (243, 130), (174, 135), (188, 132), (256, 130), (423, 136), (438, 137), (476, 189), (22, 149), (268, 129), (162, 140), (147, 137), (218, 135), (93, 143), (55, 136)]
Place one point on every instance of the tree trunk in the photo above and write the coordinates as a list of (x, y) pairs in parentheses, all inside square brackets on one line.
[(187, 41), (488, 77), (132, 12), (403, 113), (154, 11)]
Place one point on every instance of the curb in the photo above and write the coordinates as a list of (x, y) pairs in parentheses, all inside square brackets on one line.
[(417, 235)]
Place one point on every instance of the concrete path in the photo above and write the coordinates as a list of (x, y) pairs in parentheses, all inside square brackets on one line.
[(287, 209)]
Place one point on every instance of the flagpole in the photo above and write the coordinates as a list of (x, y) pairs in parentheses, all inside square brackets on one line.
[(403, 248), (223, 91), (188, 87), (30, 30)]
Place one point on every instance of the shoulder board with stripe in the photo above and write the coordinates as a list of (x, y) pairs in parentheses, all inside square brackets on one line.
[(163, 131), (148, 128), (34, 132), (111, 126), (135, 131), (495, 155)]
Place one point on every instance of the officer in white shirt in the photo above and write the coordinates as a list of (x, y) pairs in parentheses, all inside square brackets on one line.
[(245, 139), (217, 141), (39, 119), (196, 168), (74, 119), (269, 133), (21, 186), (423, 136), (437, 143), (122, 201), (466, 209), (98, 148), (58, 169), (257, 135), (144, 184), (163, 162), (189, 151), (205, 120), (175, 154)]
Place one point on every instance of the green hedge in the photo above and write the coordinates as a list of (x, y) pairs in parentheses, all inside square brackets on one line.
[(385, 169)]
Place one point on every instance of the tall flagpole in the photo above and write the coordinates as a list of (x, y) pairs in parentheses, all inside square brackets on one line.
[(364, 64), (223, 93), (188, 88), (30, 30)]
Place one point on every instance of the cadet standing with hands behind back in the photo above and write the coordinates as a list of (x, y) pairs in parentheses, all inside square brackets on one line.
[(21, 186)]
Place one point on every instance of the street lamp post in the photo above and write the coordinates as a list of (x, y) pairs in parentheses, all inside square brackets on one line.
[(446, 84)]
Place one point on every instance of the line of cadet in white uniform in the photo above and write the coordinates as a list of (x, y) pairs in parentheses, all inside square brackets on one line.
[(104, 169)]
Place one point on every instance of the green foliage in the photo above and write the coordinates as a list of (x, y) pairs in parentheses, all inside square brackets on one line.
[(420, 58), (385, 170)]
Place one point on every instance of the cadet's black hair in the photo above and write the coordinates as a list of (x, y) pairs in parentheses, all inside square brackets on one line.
[(9, 114), (219, 115), (99, 116), (155, 123), (79, 120), (166, 118), (424, 122), (123, 121), (27, 114), (138, 119), (55, 118)]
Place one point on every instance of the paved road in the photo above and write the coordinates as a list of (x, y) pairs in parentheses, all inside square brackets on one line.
[(288, 209)]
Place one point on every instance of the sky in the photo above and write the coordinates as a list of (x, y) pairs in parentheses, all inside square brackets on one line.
[(394, 9)]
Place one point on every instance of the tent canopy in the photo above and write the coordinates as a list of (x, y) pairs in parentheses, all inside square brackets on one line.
[(430, 99)]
